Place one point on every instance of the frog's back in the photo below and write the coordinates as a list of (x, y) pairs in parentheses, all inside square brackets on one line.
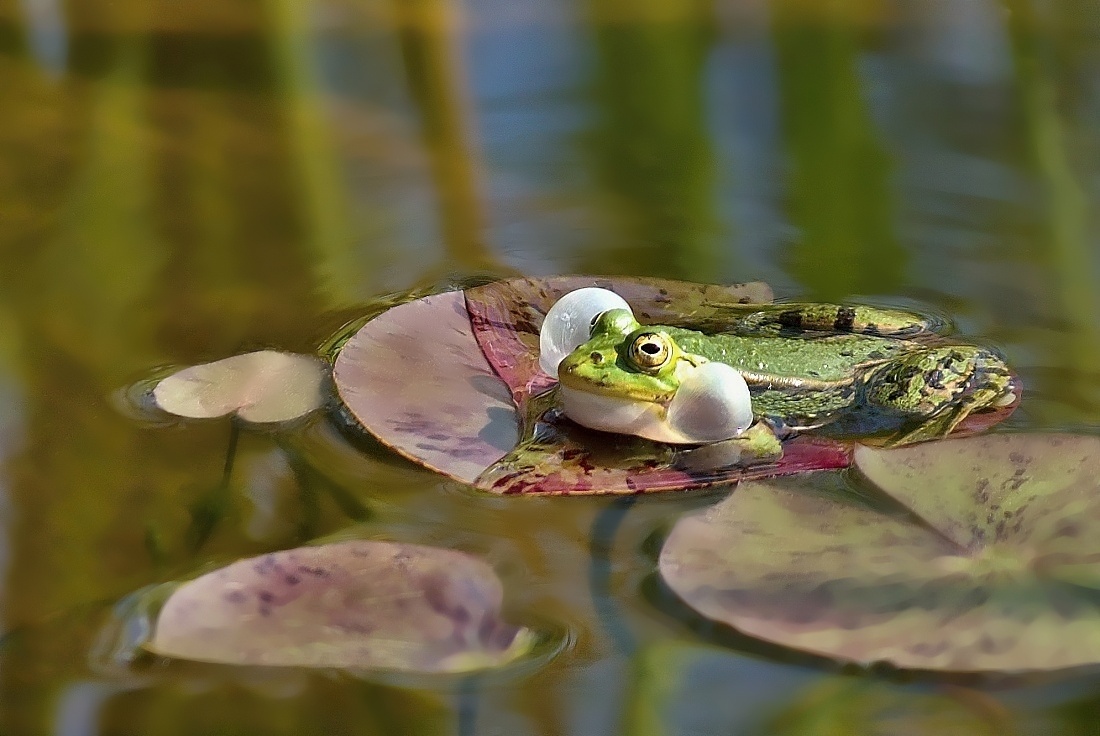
[(794, 361)]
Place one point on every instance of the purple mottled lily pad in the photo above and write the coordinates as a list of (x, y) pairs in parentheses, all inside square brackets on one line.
[(449, 380), (574, 461), (984, 557), (356, 604), (416, 379)]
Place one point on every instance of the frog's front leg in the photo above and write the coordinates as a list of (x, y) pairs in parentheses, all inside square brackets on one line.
[(756, 446), (939, 387), (838, 318)]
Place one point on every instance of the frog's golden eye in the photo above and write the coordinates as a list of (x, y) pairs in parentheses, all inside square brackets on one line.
[(649, 351)]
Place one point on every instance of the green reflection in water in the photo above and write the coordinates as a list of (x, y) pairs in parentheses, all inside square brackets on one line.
[(651, 147), (436, 78), (1067, 248), (840, 188), (318, 175)]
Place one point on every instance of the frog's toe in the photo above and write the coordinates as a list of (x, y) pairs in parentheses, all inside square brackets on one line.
[(939, 426), (947, 421)]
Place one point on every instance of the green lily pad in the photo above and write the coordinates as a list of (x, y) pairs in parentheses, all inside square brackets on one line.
[(261, 387), (354, 604), (982, 554)]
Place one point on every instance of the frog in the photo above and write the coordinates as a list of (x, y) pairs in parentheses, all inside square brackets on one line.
[(858, 371)]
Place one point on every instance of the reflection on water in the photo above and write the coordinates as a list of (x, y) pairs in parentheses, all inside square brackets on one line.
[(186, 182)]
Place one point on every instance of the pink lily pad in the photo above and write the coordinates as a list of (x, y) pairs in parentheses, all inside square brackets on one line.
[(416, 379), (984, 558), (355, 604), (449, 381)]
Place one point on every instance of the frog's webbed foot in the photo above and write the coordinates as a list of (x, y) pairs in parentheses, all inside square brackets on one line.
[(758, 445), (838, 318), (940, 387)]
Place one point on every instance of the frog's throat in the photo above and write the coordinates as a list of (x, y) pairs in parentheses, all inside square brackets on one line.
[(619, 414)]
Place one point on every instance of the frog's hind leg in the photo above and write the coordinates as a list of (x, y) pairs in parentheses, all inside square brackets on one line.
[(837, 318), (939, 388)]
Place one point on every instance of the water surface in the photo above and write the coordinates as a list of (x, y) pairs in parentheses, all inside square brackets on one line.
[(180, 182)]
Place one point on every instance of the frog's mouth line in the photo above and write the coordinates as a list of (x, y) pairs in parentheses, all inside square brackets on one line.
[(648, 395), (619, 414)]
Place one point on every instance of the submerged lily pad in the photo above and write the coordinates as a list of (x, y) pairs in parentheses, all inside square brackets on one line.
[(984, 555), (265, 386), (355, 604)]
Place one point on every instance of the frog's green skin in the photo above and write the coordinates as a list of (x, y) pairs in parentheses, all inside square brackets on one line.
[(806, 366)]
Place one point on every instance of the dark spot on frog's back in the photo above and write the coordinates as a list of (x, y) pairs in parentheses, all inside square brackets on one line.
[(845, 318), (791, 318)]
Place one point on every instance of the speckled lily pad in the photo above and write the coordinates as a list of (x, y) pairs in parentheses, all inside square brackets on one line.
[(354, 604), (264, 386), (977, 554)]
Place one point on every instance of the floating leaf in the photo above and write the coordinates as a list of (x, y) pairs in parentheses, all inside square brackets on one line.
[(361, 604), (265, 386), (416, 379), (985, 557)]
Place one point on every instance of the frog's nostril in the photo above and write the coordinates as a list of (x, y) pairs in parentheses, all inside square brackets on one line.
[(596, 358)]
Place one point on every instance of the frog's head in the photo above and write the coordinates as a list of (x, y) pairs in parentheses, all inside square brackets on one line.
[(636, 380), (623, 360)]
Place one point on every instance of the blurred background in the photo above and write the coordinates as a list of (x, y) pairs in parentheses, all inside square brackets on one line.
[(180, 182)]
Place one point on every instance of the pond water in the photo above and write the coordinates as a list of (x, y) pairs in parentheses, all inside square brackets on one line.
[(180, 182)]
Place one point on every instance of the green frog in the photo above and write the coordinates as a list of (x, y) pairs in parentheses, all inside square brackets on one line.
[(779, 371)]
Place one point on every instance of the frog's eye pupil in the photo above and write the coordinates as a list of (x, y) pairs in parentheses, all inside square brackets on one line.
[(649, 351)]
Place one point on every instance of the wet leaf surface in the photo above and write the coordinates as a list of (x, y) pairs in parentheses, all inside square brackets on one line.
[(265, 386), (354, 604), (416, 379), (983, 555)]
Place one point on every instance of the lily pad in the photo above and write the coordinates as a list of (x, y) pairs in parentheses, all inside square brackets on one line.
[(981, 554), (450, 381), (416, 379), (265, 386), (354, 604)]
